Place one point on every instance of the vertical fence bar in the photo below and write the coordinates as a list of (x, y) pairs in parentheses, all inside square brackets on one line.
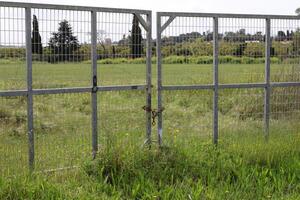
[(159, 79), (267, 79), (29, 88), (94, 83), (216, 79), (148, 78)]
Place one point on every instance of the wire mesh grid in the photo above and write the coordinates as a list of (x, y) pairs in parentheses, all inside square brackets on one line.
[(62, 59), (241, 50), (241, 100), (121, 119), (61, 47), (187, 117), (62, 125), (241, 113), (187, 49), (13, 137), (285, 50), (121, 49), (12, 48), (61, 52), (285, 110)]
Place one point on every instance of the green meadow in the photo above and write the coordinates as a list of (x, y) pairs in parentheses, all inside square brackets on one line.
[(187, 166)]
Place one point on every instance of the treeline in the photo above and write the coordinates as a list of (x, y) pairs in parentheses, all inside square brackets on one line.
[(193, 60), (65, 46), (284, 45), (239, 46)]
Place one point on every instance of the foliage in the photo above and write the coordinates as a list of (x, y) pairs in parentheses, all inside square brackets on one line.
[(13, 53), (240, 168), (296, 42), (36, 37), (297, 11), (205, 172), (255, 50), (282, 50), (63, 44)]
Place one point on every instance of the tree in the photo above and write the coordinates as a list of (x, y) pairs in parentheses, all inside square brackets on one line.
[(280, 36), (101, 38), (296, 42), (113, 52), (255, 50), (136, 39), (36, 37), (63, 44), (298, 11)]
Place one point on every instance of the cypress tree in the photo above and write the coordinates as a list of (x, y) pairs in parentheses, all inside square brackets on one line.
[(136, 39), (36, 37)]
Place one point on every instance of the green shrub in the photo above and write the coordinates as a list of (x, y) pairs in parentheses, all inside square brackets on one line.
[(193, 60)]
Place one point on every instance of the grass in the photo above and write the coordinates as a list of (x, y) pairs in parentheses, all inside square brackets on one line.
[(13, 76), (187, 167), (240, 168)]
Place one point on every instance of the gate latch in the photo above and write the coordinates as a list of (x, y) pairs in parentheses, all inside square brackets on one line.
[(94, 89)]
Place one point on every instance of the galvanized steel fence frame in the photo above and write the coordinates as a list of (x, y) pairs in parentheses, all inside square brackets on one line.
[(94, 88), (267, 85)]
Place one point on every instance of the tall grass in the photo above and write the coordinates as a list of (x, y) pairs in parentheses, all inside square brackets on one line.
[(188, 166), (239, 168)]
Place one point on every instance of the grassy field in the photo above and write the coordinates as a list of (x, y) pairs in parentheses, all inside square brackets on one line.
[(187, 167)]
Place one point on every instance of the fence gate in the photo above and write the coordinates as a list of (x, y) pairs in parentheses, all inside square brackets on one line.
[(239, 70), (61, 68)]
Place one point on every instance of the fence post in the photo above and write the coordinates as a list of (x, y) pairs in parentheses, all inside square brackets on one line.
[(267, 79), (148, 77), (216, 79), (159, 79), (94, 83), (29, 88)]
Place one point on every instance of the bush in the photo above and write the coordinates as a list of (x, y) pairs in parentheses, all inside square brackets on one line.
[(194, 60), (256, 50)]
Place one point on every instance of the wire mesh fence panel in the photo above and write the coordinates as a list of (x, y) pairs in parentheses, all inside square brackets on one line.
[(13, 136), (121, 119), (285, 111), (241, 113), (61, 48), (241, 50), (187, 51), (285, 50), (187, 117), (121, 49), (62, 125), (219, 63), (12, 49)]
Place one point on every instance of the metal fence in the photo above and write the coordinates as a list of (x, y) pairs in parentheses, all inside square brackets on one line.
[(50, 59), (212, 48), (66, 73)]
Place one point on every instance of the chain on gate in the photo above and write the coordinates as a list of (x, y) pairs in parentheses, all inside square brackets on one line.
[(154, 113)]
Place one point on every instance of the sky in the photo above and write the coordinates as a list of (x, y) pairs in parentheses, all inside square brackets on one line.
[(211, 6), (204, 6)]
